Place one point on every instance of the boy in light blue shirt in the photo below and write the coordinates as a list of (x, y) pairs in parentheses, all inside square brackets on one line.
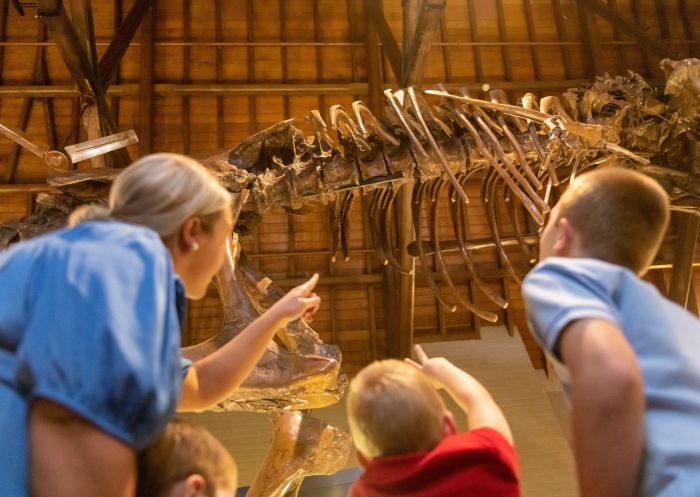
[(629, 357)]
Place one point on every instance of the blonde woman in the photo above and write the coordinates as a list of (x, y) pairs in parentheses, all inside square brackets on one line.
[(90, 369)]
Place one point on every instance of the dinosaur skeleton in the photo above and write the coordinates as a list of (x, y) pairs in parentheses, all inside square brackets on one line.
[(436, 142), (521, 152)]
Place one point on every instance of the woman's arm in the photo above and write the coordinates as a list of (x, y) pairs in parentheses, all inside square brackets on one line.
[(213, 378), (69, 456), (471, 396)]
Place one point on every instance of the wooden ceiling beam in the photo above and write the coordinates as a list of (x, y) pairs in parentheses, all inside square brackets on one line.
[(688, 29), (76, 44), (81, 19), (374, 70), (39, 77), (122, 39), (146, 83), (375, 11), (62, 32), (94, 116), (590, 38), (271, 89), (625, 25), (422, 22)]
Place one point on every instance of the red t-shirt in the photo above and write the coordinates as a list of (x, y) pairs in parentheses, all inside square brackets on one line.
[(478, 463)]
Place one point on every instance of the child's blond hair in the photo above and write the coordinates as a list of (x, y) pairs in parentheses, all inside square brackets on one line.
[(620, 214), (393, 409)]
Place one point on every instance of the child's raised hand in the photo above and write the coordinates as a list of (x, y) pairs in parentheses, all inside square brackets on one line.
[(435, 368), (299, 302)]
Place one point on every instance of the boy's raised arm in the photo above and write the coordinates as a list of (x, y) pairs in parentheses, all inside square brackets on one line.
[(471, 396), (607, 407)]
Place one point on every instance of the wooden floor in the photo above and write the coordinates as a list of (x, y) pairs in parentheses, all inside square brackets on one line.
[(501, 363)]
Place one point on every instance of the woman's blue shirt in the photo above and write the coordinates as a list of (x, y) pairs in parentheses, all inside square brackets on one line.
[(89, 319)]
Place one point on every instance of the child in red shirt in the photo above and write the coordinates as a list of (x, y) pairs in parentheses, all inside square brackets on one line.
[(407, 441)]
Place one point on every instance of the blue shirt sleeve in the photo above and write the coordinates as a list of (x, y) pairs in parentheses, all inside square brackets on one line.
[(560, 291), (103, 337), (15, 269)]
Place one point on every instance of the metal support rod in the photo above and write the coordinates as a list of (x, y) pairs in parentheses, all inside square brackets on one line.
[(406, 280)]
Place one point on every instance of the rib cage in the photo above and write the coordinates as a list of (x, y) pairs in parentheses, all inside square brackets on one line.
[(524, 152)]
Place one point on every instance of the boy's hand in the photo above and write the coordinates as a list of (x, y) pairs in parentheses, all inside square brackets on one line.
[(471, 396), (436, 369), (299, 302)]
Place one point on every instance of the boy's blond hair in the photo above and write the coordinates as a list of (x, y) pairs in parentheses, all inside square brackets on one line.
[(393, 409), (184, 449), (621, 215)]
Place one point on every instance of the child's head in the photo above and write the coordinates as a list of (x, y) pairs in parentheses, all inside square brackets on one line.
[(614, 214), (186, 460), (393, 409)]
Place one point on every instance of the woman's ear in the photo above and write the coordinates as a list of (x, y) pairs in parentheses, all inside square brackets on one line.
[(188, 234)]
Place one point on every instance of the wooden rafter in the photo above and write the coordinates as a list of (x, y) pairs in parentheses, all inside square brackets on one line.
[(625, 25), (374, 70), (75, 41), (39, 77), (220, 108), (186, 76), (81, 19), (474, 35), (114, 102), (419, 36), (95, 122), (616, 37), (530, 26), (590, 39), (391, 47), (146, 81), (117, 48), (274, 89), (688, 29), (560, 22), (503, 36), (65, 36)]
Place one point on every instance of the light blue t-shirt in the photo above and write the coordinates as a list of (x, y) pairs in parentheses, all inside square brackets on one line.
[(88, 319), (665, 339)]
